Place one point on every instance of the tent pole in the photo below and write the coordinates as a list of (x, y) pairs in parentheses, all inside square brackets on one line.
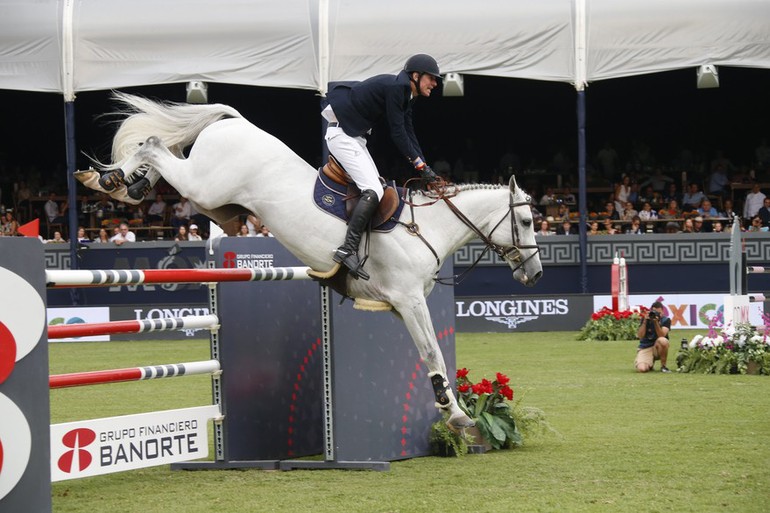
[(72, 211), (582, 195)]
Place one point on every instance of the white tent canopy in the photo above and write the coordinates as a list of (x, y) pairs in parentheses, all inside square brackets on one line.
[(68, 46)]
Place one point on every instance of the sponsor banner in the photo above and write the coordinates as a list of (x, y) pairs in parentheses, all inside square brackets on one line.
[(79, 316), (234, 260), (114, 444), (535, 313), (142, 312), (687, 311)]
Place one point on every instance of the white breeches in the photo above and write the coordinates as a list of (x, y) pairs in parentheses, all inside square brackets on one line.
[(352, 154)]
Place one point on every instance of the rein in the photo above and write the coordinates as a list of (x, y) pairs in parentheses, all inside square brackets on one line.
[(511, 253)]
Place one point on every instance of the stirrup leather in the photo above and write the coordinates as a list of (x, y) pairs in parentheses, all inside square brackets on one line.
[(440, 389)]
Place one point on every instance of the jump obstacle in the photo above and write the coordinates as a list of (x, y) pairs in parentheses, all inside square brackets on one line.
[(737, 304), (344, 417)]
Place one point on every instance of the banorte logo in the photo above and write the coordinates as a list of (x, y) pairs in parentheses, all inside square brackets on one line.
[(228, 261), (22, 321), (77, 459)]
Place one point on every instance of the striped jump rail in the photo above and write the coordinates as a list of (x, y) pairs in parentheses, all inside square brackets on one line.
[(755, 269), (77, 379), (209, 321), (758, 298), (56, 278)]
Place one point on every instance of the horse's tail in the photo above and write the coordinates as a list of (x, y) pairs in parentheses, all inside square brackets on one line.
[(176, 124)]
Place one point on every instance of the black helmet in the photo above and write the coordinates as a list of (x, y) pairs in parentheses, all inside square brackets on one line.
[(422, 63)]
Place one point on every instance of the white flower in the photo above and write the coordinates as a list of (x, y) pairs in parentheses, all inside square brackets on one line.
[(741, 341), (707, 342), (756, 339), (719, 340), (694, 342)]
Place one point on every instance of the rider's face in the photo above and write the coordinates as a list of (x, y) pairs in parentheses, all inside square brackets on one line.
[(425, 85)]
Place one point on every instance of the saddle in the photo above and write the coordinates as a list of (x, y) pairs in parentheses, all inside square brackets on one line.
[(389, 203)]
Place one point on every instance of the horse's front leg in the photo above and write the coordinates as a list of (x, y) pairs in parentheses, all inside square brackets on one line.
[(416, 316)]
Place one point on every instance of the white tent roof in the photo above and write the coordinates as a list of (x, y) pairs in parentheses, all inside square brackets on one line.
[(69, 46)]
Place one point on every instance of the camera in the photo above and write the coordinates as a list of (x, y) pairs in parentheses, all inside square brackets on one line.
[(653, 315)]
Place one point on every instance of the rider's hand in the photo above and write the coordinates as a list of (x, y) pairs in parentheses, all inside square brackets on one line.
[(427, 174)]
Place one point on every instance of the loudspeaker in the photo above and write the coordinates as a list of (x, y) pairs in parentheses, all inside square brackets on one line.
[(197, 92), (453, 85), (708, 76)]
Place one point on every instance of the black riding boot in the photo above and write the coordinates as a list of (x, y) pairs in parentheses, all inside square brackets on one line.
[(347, 254)]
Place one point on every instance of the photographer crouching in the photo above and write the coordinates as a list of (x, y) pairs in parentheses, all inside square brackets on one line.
[(653, 339)]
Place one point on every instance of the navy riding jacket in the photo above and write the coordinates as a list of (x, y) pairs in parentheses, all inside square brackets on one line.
[(361, 105)]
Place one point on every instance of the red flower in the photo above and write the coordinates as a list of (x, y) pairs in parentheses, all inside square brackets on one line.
[(502, 379), (487, 386), (462, 373), (507, 392), (478, 388), (463, 388)]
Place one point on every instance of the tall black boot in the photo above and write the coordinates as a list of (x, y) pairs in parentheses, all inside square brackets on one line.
[(347, 254)]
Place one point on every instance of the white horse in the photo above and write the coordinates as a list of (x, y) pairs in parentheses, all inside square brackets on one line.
[(233, 168)]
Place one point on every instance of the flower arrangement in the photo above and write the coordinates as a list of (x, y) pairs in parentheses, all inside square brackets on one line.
[(731, 349), (609, 324), (499, 424)]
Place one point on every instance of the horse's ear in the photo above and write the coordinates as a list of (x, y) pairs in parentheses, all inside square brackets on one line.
[(512, 184)]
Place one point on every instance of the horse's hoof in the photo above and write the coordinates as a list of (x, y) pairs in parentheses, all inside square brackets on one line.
[(112, 181), (140, 189), (459, 421)]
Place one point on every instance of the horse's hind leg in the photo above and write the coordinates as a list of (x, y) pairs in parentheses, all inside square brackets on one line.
[(416, 316)]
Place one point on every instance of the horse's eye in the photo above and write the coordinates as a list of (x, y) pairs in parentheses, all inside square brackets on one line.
[(526, 222)]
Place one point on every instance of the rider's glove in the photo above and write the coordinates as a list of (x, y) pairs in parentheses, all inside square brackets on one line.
[(426, 173)]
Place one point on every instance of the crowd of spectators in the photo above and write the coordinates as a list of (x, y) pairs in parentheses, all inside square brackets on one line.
[(628, 192)]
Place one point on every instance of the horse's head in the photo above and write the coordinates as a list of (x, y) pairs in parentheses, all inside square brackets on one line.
[(518, 246)]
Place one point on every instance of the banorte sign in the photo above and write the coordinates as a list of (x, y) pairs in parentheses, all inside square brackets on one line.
[(22, 321)]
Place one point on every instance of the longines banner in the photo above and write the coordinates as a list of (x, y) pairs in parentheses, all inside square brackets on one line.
[(504, 314)]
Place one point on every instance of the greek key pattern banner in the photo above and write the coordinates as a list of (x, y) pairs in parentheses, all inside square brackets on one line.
[(648, 249)]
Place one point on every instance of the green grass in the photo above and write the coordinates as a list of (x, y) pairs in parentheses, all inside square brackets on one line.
[(627, 441)]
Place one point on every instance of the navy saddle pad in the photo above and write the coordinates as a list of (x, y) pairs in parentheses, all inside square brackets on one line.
[(329, 197)]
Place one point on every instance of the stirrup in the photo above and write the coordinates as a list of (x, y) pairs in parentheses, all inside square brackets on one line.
[(350, 260)]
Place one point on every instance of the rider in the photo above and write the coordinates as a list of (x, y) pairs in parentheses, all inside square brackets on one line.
[(354, 108)]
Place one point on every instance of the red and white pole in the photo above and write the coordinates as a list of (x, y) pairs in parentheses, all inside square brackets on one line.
[(209, 321), (76, 379)]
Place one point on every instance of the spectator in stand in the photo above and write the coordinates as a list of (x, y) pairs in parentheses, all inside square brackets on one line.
[(658, 181), (756, 225), (23, 194), (156, 212), (567, 197), (611, 213), (253, 223), (672, 193), (688, 226), (545, 229), (264, 231), (764, 212), (672, 227), (609, 228), (719, 183), (647, 213), (754, 201), (82, 237), (636, 226), (608, 160), (244, 232), (54, 214), (103, 237), (182, 212), (633, 196), (593, 228), (181, 234), (548, 198), (717, 227), (727, 209), (123, 235), (622, 190), (706, 209), (692, 198), (563, 211), (697, 225), (629, 212), (566, 228), (193, 235), (10, 227), (57, 238), (671, 211)]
